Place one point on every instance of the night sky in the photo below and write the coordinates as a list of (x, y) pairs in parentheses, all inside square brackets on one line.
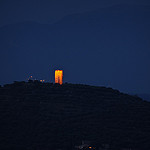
[(102, 43)]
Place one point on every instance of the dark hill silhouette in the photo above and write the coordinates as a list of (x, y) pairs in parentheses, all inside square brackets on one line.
[(37, 115), (144, 96)]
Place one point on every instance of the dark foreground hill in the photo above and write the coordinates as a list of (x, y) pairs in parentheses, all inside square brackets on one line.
[(45, 116)]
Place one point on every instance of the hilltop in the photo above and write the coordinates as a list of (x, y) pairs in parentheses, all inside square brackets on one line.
[(37, 115)]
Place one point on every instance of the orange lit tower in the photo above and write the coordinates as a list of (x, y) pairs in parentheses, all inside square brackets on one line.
[(59, 76)]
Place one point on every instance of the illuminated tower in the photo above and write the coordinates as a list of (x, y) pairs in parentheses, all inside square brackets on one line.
[(59, 76)]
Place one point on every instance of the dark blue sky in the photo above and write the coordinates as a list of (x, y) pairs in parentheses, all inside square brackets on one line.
[(94, 42), (49, 11)]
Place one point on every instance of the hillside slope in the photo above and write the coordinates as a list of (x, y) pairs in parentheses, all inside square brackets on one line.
[(38, 115)]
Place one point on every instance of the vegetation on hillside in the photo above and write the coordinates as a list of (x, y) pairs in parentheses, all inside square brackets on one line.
[(37, 115)]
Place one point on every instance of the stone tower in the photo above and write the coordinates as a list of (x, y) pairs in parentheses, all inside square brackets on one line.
[(59, 76)]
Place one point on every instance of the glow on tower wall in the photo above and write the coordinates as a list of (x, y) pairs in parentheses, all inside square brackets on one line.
[(59, 76)]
